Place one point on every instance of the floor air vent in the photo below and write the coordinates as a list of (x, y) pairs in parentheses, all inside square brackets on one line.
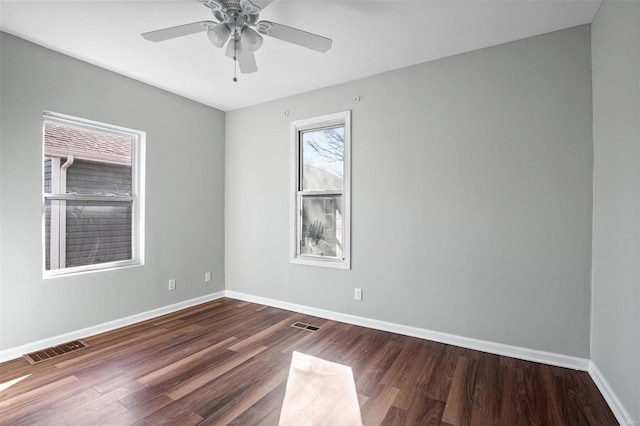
[(55, 351), (303, 326)]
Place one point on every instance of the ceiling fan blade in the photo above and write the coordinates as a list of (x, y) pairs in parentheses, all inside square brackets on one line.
[(254, 6), (212, 4), (178, 31), (246, 59), (294, 35)]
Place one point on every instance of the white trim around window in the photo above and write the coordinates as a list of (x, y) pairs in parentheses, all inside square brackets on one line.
[(58, 196), (322, 207)]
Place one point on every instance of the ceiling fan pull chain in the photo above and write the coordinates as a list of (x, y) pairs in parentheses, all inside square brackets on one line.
[(235, 53)]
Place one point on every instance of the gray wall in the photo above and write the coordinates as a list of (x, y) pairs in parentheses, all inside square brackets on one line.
[(184, 195), (472, 196), (615, 339)]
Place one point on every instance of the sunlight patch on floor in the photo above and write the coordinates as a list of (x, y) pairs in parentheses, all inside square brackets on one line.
[(319, 392), (10, 383)]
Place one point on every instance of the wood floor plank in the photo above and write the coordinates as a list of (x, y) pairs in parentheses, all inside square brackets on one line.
[(370, 379), (330, 342), (591, 394), (112, 378), (202, 379), (395, 416), (175, 415), (360, 355), (284, 338), (99, 355), (487, 399), (397, 370), (529, 394), (36, 378), (306, 338), (179, 370), (272, 419), (245, 400), (425, 411), (375, 409), (112, 414), (93, 405), (258, 337), (251, 322), (459, 404), (50, 413), (552, 405), (27, 403), (440, 382), (508, 405), (231, 387), (190, 361), (415, 381), (140, 354), (141, 404), (266, 411)]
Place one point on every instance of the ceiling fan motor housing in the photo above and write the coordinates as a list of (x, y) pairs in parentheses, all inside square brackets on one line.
[(237, 14)]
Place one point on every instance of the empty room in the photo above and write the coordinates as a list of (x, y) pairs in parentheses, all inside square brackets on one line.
[(320, 212)]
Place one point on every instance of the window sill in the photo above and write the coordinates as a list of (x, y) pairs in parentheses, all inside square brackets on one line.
[(328, 263), (67, 272)]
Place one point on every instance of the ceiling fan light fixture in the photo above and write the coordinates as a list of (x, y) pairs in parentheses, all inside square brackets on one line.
[(219, 34), (251, 39)]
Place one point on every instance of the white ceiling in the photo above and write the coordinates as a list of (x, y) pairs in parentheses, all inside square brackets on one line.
[(369, 37)]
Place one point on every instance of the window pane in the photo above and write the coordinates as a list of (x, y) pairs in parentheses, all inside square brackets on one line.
[(91, 162), (47, 234), (322, 154), (322, 226), (93, 232), (47, 175), (84, 177)]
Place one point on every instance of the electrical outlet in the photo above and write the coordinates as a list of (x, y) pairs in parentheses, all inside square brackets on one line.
[(172, 284), (357, 294), (207, 277)]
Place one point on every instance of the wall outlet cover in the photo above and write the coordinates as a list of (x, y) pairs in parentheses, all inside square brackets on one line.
[(358, 294)]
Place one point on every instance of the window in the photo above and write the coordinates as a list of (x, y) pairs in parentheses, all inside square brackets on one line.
[(320, 176), (92, 195)]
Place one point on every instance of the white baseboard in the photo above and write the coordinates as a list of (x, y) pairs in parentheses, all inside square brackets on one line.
[(534, 355), (619, 410), (18, 351)]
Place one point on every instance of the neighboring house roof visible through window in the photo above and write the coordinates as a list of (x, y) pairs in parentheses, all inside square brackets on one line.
[(316, 177), (85, 144)]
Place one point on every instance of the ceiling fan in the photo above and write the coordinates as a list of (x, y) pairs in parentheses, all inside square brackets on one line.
[(236, 20)]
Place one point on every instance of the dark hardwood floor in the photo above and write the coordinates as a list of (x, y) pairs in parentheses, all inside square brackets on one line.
[(228, 361)]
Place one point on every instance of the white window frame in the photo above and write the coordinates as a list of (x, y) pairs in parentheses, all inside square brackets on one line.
[(137, 197), (342, 118)]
